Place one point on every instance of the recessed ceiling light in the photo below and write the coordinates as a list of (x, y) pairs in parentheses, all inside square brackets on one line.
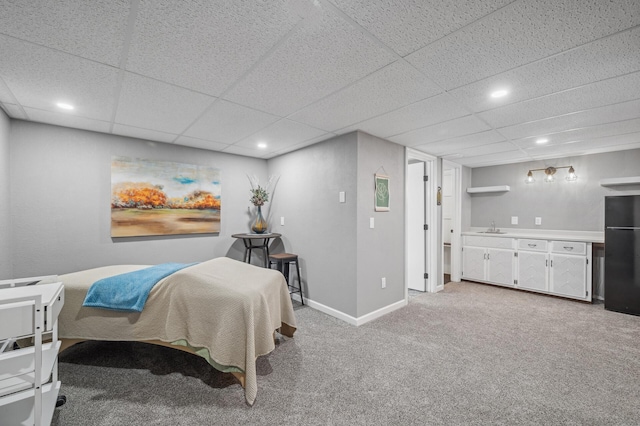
[(542, 140), (499, 93), (262, 145), (64, 106)]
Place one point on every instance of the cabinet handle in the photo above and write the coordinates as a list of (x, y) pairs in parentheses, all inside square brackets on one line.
[(532, 245), (552, 263), (568, 248), (546, 263), (484, 256)]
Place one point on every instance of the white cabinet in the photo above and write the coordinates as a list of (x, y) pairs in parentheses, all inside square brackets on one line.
[(28, 374), (489, 259), (561, 268)]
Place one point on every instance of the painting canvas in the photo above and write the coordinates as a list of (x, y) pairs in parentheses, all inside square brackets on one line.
[(382, 193), (163, 198)]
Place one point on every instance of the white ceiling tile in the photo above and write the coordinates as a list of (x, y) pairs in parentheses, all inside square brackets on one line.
[(14, 111), (5, 94), (136, 132), (521, 33), (151, 104), (391, 87), (303, 144), (584, 133), (463, 143), (587, 146), (595, 116), (446, 130), (407, 25), (200, 143), (227, 122), (607, 92), (90, 29), (39, 78), (420, 114), (494, 159), (280, 135), (319, 58), (205, 46), (247, 152), (67, 120), (601, 59)]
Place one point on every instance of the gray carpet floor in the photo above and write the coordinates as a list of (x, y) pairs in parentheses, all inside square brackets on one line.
[(471, 354)]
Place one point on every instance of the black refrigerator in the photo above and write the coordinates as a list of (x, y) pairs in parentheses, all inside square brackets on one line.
[(622, 254)]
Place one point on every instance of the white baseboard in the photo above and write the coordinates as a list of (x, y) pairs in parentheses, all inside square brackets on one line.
[(348, 318)]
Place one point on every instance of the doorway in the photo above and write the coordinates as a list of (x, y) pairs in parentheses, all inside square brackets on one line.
[(451, 221), (421, 223)]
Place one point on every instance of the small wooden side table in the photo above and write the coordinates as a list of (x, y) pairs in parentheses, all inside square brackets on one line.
[(256, 241)]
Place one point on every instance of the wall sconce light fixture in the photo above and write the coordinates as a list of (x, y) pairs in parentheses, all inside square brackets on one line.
[(550, 172)]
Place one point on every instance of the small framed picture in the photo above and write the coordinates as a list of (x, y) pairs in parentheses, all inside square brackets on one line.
[(382, 193)]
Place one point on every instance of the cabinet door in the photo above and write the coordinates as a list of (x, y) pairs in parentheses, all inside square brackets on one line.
[(568, 275), (473, 260), (532, 270), (500, 266)]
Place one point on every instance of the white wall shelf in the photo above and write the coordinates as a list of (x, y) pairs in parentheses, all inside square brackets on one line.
[(634, 180), (485, 189)]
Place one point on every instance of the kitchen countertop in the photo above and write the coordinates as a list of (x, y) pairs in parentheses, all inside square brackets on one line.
[(541, 234)]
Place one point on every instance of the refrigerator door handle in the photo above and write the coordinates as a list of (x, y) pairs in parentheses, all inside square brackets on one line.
[(623, 228)]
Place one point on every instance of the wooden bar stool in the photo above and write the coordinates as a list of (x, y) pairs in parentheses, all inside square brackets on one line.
[(282, 262)]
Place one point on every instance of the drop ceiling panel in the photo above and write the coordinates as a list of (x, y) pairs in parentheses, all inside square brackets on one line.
[(67, 120), (520, 33), (151, 104), (585, 133), (408, 25), (602, 59), (227, 122), (204, 47), (463, 143), (247, 152), (39, 78), (5, 94), (90, 29), (493, 159), (612, 91), (387, 89), (280, 135), (14, 111), (136, 132), (613, 143), (302, 144), (200, 143), (446, 130), (318, 59), (596, 116), (424, 113)]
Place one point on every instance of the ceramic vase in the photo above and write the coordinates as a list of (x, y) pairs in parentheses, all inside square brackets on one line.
[(259, 225)]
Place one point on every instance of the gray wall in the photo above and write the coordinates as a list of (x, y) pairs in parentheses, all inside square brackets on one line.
[(562, 205), (318, 228), (6, 270), (380, 251), (60, 196)]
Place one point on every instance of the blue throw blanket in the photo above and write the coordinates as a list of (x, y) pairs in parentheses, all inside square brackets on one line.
[(129, 292)]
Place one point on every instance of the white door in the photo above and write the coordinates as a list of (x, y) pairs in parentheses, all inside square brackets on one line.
[(473, 263), (501, 266), (568, 275), (415, 223), (532, 270)]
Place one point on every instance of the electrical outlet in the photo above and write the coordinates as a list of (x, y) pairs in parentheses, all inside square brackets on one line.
[(538, 221), (384, 282), (514, 220), (371, 223), (343, 197), (282, 220)]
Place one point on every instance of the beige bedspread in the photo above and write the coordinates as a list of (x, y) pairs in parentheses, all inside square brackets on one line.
[(229, 307)]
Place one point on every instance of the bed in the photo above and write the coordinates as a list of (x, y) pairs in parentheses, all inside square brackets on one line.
[(223, 310)]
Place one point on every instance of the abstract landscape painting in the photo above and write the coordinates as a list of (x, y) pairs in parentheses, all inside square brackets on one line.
[(163, 198)]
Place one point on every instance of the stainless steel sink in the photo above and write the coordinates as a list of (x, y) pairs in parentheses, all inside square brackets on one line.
[(491, 232)]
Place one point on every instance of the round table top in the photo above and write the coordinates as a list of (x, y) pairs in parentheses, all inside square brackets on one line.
[(257, 236)]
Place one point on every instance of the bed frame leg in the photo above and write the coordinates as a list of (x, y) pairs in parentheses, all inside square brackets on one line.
[(241, 378)]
